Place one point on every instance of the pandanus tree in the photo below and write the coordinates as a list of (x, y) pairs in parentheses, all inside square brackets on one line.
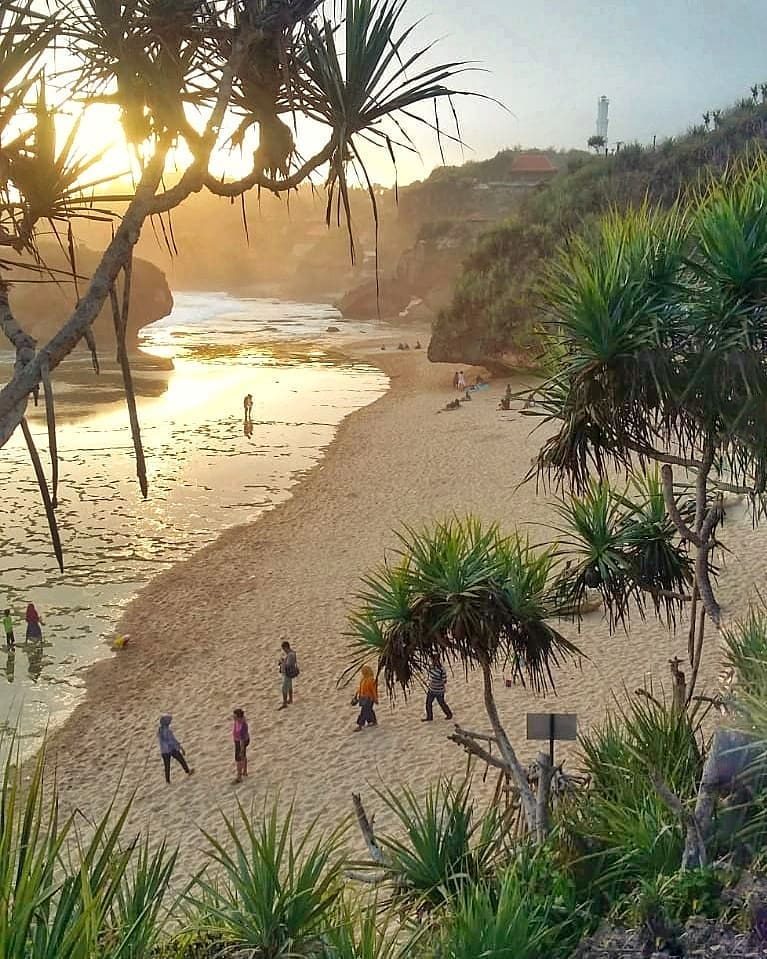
[(480, 600), (187, 78), (658, 354)]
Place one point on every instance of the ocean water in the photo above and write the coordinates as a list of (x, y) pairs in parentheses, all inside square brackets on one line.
[(205, 474)]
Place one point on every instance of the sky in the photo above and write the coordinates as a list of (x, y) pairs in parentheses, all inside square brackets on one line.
[(661, 63)]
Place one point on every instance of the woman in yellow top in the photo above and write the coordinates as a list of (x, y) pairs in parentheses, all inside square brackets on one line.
[(366, 698)]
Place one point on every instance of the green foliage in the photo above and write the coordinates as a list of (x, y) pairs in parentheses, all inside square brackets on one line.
[(442, 843), (623, 544), (62, 898), (674, 898), (620, 830), (661, 337), (360, 931), (530, 911), (502, 311), (275, 894), (468, 593)]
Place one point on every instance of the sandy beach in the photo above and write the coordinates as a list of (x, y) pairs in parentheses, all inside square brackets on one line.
[(206, 634)]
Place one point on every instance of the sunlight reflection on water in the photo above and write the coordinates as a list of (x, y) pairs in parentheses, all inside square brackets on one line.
[(204, 476)]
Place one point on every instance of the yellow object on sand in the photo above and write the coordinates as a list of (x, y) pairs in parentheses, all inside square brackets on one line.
[(120, 642)]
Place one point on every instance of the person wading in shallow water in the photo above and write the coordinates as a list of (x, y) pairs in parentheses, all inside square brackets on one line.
[(241, 737), (34, 633), (288, 670), (170, 748), (436, 683)]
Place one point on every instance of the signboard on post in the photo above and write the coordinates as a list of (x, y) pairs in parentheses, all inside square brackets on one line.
[(551, 727)]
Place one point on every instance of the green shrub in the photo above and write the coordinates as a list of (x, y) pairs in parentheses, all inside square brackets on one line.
[(445, 843), (274, 895), (531, 911), (620, 831)]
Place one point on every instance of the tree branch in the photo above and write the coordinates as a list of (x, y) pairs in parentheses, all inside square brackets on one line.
[(465, 739), (366, 828), (28, 378), (667, 480)]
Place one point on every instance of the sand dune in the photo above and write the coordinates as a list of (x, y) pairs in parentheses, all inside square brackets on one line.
[(206, 634)]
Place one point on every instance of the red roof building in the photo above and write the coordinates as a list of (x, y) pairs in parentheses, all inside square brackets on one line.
[(533, 164)]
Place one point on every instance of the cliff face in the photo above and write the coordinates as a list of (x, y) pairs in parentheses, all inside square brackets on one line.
[(41, 308)]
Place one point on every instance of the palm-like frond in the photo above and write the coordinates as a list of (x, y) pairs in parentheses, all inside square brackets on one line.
[(623, 544), (660, 325), (468, 593)]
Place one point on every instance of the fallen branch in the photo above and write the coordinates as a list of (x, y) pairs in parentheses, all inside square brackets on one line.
[(366, 828)]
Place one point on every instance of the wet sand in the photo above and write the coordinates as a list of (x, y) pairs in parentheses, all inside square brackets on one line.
[(206, 633)]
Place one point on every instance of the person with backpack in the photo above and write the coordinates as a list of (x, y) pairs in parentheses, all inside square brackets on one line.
[(288, 670), (241, 737), (170, 748)]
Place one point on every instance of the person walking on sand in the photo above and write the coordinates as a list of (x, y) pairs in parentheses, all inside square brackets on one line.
[(247, 404), (436, 682), (288, 670), (241, 737), (34, 633), (170, 748), (10, 639), (461, 382), (455, 380), (366, 697)]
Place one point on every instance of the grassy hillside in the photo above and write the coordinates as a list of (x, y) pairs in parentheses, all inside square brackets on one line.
[(494, 309)]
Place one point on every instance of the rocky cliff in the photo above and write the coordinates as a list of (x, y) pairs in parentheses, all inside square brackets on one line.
[(42, 307)]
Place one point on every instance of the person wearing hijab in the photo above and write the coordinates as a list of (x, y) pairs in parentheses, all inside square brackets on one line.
[(170, 748), (34, 633), (366, 697), (241, 737)]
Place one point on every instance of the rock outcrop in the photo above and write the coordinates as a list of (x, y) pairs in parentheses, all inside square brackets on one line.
[(42, 307)]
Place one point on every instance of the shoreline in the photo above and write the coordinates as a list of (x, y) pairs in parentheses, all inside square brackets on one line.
[(206, 633)]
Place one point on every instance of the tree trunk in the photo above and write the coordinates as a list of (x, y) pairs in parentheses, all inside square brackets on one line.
[(518, 772)]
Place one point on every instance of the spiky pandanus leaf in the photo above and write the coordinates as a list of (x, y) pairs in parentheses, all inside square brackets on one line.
[(660, 322), (468, 593)]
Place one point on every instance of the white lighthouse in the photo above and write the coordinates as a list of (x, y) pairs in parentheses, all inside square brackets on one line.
[(602, 106)]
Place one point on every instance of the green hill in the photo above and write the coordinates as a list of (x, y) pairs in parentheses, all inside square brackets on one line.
[(494, 310)]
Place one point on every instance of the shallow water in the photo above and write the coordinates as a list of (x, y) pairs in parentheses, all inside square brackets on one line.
[(204, 473)]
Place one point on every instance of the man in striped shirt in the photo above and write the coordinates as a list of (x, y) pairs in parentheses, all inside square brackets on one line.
[(436, 681)]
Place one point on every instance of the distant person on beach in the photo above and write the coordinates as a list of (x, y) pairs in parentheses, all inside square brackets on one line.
[(436, 683), (288, 670), (417, 345), (34, 633), (170, 748), (455, 380), (10, 639), (461, 382), (248, 406), (241, 737), (366, 697)]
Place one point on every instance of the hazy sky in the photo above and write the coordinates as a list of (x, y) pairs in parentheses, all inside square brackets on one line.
[(660, 62)]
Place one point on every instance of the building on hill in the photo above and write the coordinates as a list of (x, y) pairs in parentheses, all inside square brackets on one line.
[(531, 169)]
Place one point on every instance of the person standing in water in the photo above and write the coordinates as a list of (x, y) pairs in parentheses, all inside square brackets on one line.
[(289, 671), (34, 633), (436, 683), (241, 737), (170, 748), (10, 639)]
